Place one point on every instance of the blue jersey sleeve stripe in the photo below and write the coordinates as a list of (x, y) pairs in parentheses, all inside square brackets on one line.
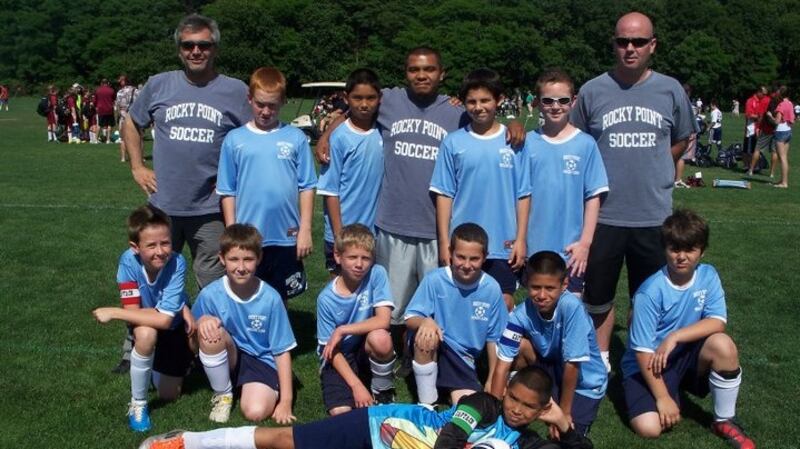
[(515, 328), (505, 341)]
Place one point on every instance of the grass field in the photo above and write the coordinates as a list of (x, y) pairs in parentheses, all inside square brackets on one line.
[(62, 226)]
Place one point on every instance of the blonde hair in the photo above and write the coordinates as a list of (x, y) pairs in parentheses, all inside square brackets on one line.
[(356, 235)]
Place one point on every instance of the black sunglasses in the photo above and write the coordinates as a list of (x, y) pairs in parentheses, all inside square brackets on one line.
[(548, 101), (638, 42), (202, 45)]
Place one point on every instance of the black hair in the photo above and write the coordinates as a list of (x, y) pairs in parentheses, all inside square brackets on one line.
[(362, 76), (482, 78), (546, 262), (470, 232), (685, 230), (534, 378)]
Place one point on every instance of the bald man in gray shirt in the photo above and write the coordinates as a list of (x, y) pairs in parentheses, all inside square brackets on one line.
[(641, 120)]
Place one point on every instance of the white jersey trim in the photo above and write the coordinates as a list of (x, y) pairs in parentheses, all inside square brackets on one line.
[(566, 139), (166, 312), (235, 297), (641, 349), (579, 359), (488, 136), (597, 192), (349, 124), (323, 192), (717, 317), (384, 303), (681, 288), (252, 127)]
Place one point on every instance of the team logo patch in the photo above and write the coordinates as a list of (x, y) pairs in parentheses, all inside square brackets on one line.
[(363, 300), (257, 323), (479, 310), (506, 157), (700, 297), (571, 164), (285, 150), (296, 284)]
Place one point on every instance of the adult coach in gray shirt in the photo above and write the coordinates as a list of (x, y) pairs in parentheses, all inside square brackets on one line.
[(192, 110), (413, 121), (641, 120)]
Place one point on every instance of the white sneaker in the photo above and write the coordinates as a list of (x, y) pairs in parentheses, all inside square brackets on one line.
[(679, 184), (221, 407)]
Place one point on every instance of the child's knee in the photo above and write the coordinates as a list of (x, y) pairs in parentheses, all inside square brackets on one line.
[(380, 343), (647, 425), (254, 411), (339, 410), (145, 339), (722, 348)]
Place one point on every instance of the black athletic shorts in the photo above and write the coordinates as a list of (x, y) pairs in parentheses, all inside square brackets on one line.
[(642, 252)]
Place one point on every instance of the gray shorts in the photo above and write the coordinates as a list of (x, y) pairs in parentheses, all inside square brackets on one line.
[(766, 142), (407, 260), (202, 233)]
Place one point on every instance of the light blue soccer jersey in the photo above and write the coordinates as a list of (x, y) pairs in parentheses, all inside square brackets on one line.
[(485, 177), (354, 174), (166, 294), (469, 315), (414, 426), (661, 307), (334, 310), (566, 337), (563, 176), (265, 170), (258, 325)]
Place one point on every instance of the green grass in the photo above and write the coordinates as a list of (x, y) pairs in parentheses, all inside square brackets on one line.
[(62, 225)]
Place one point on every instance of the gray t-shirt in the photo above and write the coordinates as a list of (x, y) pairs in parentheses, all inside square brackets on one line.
[(635, 127), (411, 139), (190, 123)]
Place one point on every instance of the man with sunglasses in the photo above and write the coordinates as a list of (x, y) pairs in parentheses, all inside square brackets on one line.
[(191, 110), (642, 121)]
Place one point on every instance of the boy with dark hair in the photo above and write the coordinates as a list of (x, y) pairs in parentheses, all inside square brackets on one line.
[(353, 314), (567, 179), (151, 287), (677, 339), (456, 312), (351, 181), (243, 329), (553, 330), (266, 178), (479, 178), (476, 419)]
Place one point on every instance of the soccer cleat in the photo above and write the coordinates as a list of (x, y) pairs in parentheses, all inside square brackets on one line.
[(221, 407), (138, 416), (733, 433), (170, 440), (384, 397)]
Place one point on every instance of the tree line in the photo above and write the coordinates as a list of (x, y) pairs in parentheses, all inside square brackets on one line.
[(723, 48)]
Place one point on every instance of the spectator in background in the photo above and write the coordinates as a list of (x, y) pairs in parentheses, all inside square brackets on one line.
[(89, 113), (52, 113), (104, 99), (123, 101), (3, 97), (784, 117), (691, 146), (751, 116), (735, 108), (73, 114)]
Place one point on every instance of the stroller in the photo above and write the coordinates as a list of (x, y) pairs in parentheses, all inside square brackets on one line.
[(702, 155), (729, 157)]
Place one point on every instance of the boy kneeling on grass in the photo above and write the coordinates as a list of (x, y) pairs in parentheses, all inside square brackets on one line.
[(151, 281), (478, 418), (677, 339), (243, 329), (353, 314)]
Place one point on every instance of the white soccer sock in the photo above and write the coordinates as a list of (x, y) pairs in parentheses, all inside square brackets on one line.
[(426, 376), (224, 438), (606, 361), (723, 394), (92, 137), (141, 370), (382, 375), (218, 371)]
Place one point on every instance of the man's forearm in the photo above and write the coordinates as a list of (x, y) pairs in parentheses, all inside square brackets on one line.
[(132, 136)]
